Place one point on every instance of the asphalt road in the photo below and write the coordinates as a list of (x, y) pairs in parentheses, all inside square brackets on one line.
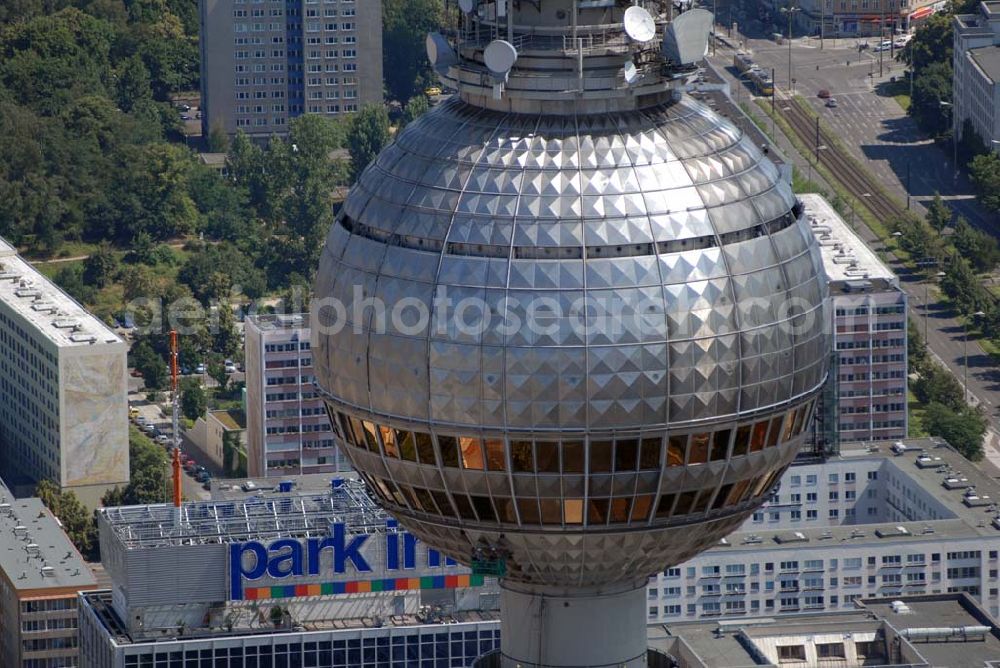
[(877, 131)]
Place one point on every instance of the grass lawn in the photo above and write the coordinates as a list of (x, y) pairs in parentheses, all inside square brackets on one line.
[(917, 409)]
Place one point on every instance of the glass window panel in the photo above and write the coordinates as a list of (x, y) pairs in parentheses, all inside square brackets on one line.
[(665, 505), (521, 457), (357, 432), (505, 507), (463, 506), (789, 425), (699, 448), (441, 499), (626, 454), (597, 511), (619, 508), (649, 454), (676, 445), (600, 456), (484, 508), (425, 448), (528, 508), (426, 502), (574, 458), (721, 497), (738, 492), (685, 501), (641, 507), (547, 456), (448, 446), (775, 432), (720, 444), (759, 436), (370, 430), (410, 496), (495, 458), (407, 445), (741, 445), (573, 511), (703, 500), (551, 511), (389, 445), (472, 452)]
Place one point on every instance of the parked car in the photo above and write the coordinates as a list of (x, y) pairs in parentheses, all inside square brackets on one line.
[(884, 46), (200, 368), (823, 94), (433, 91), (207, 485), (140, 420), (163, 439), (184, 107), (832, 103), (203, 476), (230, 366), (151, 430), (133, 412)]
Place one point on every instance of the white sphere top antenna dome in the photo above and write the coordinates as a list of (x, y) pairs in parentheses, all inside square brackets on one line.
[(500, 56), (467, 6), (639, 24)]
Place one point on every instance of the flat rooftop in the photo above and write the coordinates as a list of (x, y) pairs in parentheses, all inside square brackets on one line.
[(231, 419), (100, 603), (262, 515), (46, 308), (239, 490), (709, 644), (846, 258), (276, 322), (35, 553), (987, 58), (972, 502)]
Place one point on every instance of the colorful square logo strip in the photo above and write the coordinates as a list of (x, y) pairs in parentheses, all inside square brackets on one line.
[(363, 586)]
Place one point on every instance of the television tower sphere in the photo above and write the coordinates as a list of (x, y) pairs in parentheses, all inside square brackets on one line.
[(570, 328)]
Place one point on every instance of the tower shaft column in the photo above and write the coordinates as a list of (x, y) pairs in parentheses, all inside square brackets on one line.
[(550, 627)]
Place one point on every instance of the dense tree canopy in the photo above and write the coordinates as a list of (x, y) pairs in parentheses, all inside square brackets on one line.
[(405, 26)]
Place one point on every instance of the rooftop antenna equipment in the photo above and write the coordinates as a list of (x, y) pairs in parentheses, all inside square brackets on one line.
[(685, 41), (639, 24)]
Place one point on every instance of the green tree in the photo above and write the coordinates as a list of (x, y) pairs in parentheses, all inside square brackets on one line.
[(917, 239), (931, 87), (962, 285), (217, 370), (985, 172), (414, 109), (932, 43), (150, 365), (132, 85), (70, 278), (218, 140), (148, 474), (937, 385), (916, 348), (101, 268), (979, 248), (225, 337), (368, 136), (963, 429), (77, 522), (193, 399), (938, 213), (405, 24)]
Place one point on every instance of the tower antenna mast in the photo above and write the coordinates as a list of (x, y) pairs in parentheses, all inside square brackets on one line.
[(175, 454)]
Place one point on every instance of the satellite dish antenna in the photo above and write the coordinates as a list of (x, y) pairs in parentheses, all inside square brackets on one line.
[(639, 24), (500, 56), (685, 40), (467, 6), (631, 73), (439, 51)]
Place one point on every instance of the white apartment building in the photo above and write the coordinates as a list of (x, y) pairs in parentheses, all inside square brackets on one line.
[(288, 429), (63, 388), (867, 524), (976, 61), (867, 398)]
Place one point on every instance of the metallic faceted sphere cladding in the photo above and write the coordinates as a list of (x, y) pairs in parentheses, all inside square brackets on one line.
[(580, 348)]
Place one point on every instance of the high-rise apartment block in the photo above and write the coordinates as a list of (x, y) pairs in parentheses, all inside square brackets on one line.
[(266, 62), (41, 574), (976, 82), (867, 398), (63, 380), (288, 431)]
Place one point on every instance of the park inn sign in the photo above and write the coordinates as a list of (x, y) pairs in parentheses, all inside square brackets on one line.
[(340, 563)]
